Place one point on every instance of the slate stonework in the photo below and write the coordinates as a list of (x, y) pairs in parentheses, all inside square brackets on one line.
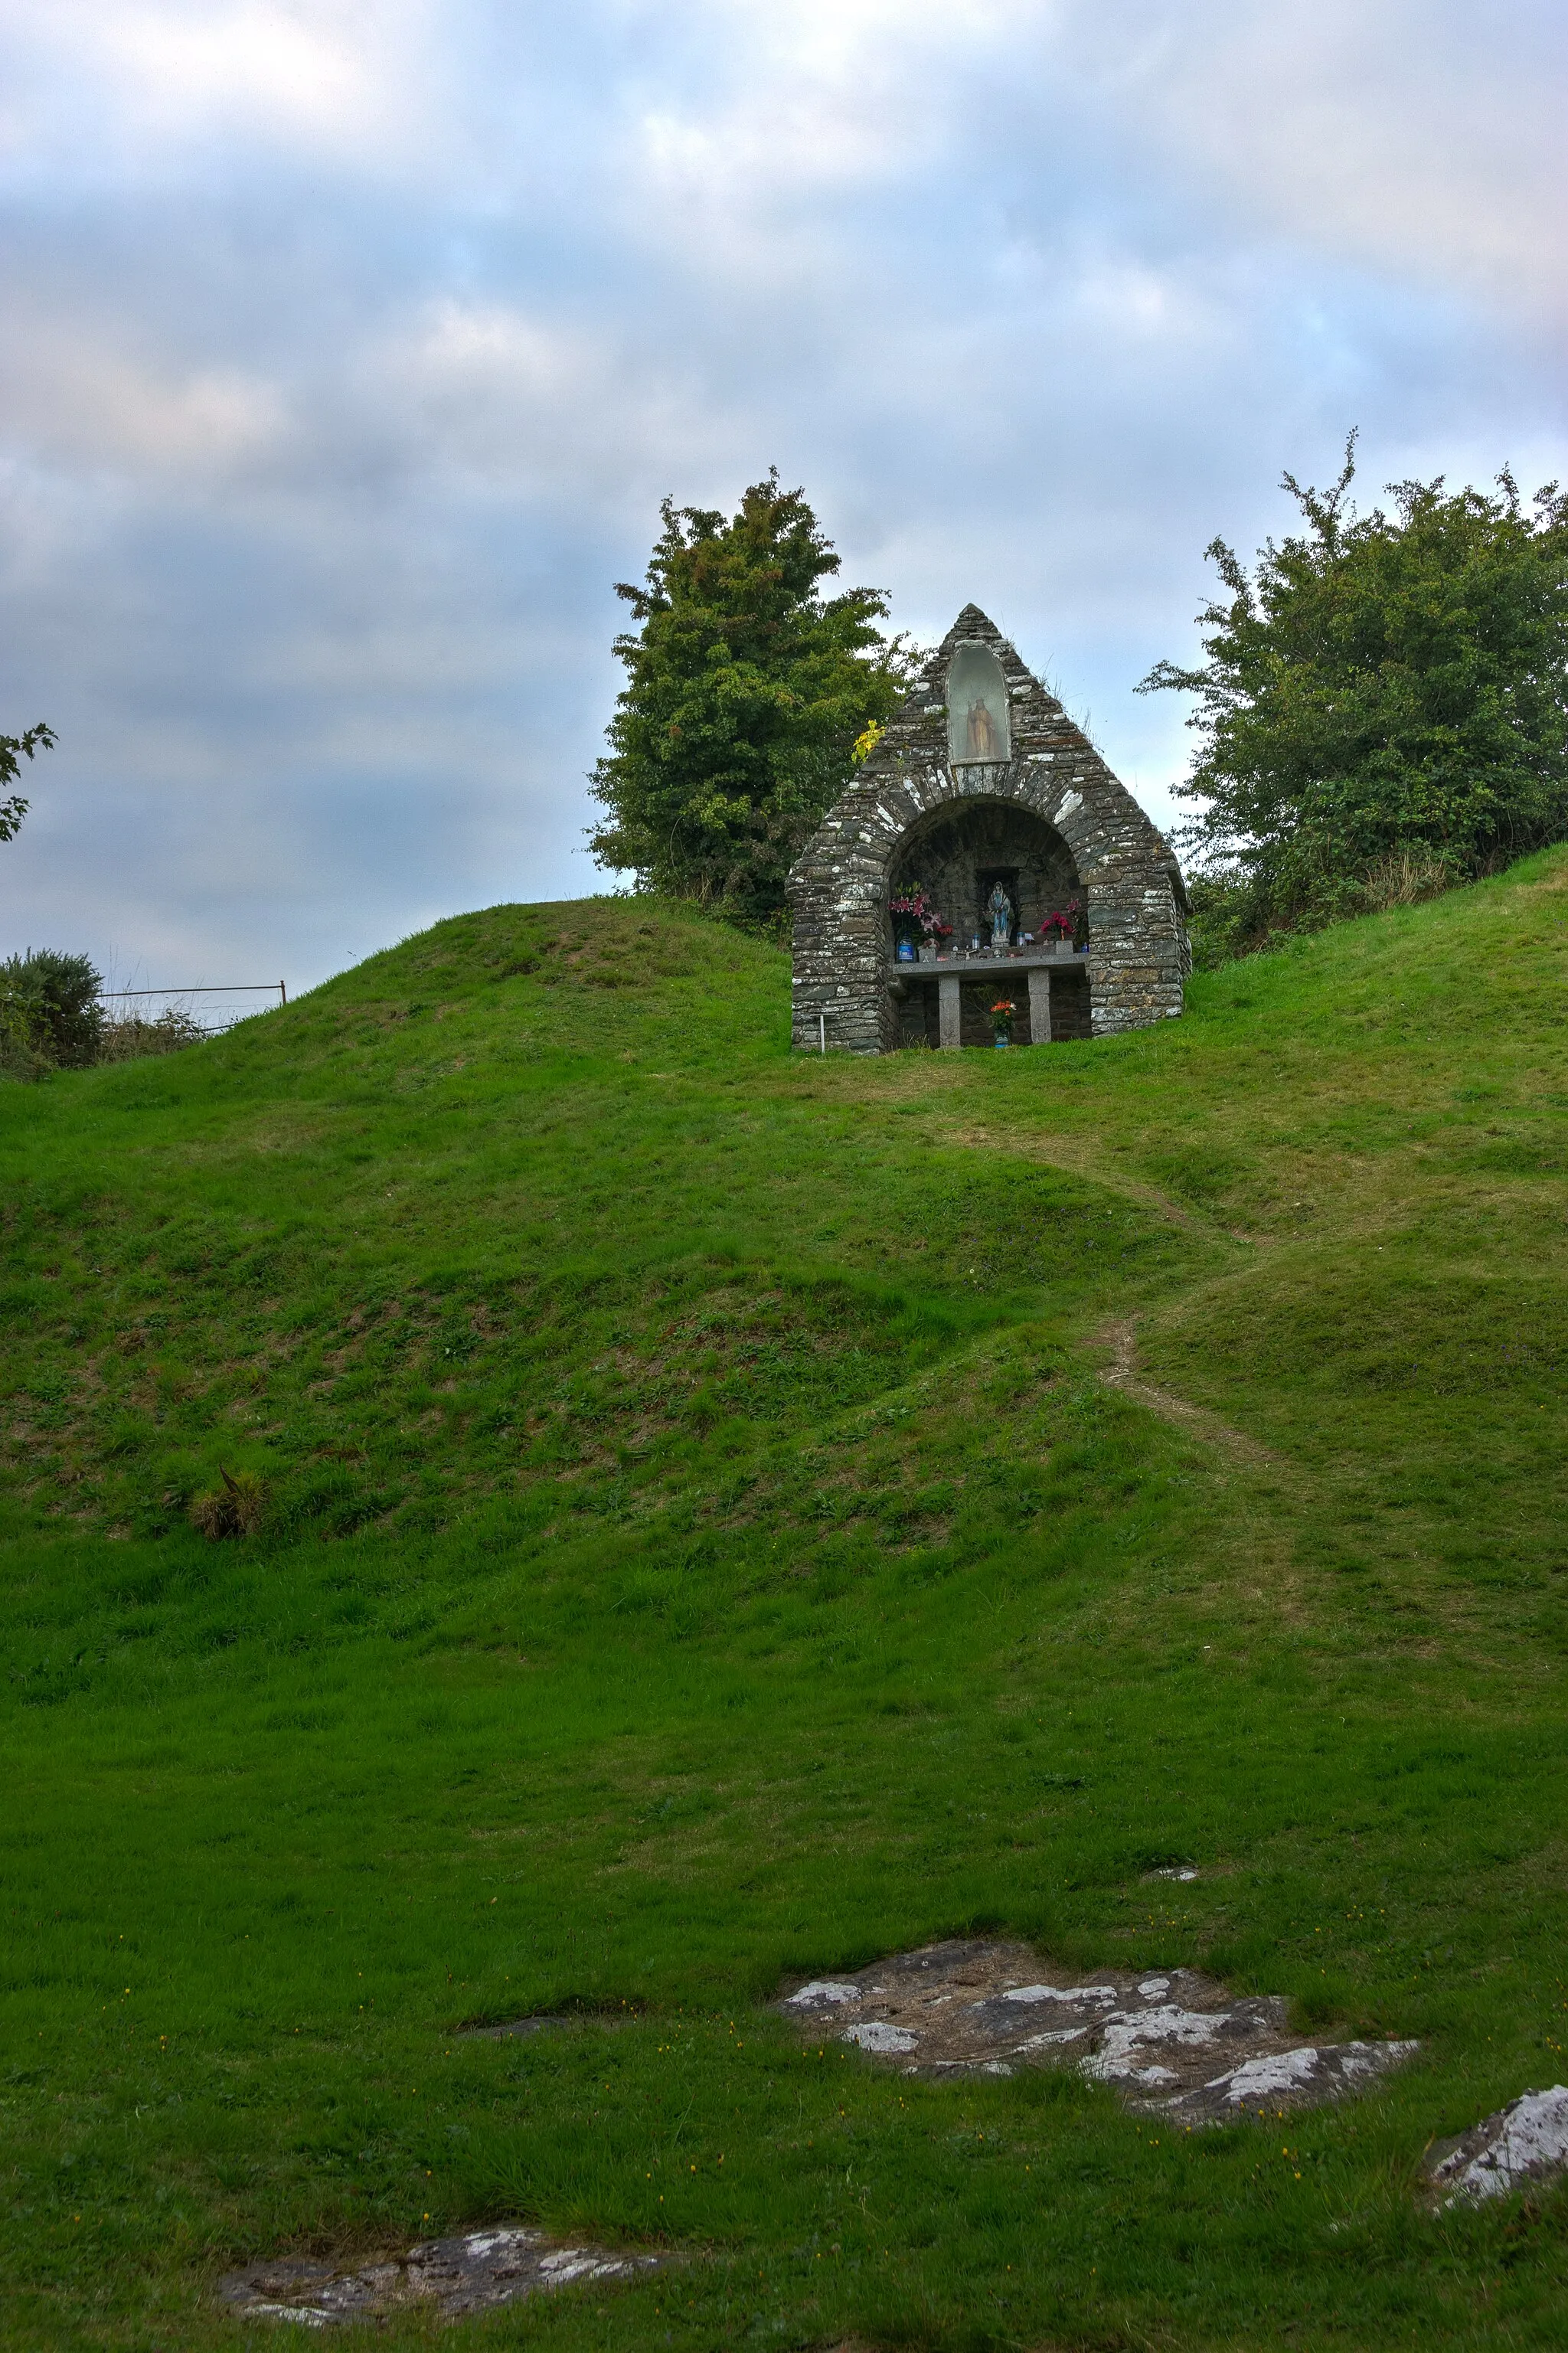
[(1075, 824)]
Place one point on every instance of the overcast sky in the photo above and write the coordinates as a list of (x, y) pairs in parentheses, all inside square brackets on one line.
[(348, 346)]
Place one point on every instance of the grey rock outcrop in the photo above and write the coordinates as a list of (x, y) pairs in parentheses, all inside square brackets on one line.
[(1171, 2041), (448, 2278), (1525, 2142)]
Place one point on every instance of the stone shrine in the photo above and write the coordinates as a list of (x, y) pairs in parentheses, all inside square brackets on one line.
[(982, 795)]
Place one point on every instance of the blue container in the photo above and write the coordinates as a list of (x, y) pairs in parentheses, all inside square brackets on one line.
[(905, 952), (1004, 1042)]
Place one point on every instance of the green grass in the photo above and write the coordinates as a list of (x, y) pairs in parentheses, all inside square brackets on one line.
[(703, 1546)]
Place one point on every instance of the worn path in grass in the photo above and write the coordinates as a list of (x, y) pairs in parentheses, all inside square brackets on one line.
[(1119, 1339), (704, 1549)]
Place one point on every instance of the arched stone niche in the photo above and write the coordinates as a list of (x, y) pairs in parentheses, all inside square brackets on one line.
[(956, 853), (979, 720)]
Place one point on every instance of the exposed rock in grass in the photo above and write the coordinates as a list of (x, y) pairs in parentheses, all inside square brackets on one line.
[(454, 2276), (1525, 2142), (1171, 2041)]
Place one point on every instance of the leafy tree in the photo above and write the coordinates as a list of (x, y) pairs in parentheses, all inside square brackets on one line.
[(746, 697), (50, 1015), (14, 750), (1386, 698)]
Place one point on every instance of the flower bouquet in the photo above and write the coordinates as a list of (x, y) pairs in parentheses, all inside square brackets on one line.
[(918, 928), (1002, 1015), (934, 928), (1061, 928), (907, 911)]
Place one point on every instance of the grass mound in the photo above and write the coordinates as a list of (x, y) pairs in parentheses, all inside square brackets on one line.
[(698, 1543)]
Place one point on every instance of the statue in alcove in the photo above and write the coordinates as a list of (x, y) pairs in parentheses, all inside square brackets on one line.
[(999, 908), (985, 740)]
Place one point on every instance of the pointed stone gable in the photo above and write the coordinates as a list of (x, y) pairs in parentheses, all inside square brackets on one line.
[(1052, 786)]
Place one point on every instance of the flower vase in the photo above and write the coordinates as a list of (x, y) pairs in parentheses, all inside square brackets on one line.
[(905, 951)]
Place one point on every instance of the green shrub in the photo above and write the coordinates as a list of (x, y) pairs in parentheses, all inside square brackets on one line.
[(133, 1035), (1383, 707), (50, 1015)]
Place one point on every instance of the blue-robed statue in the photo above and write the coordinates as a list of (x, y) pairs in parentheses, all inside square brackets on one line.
[(999, 907)]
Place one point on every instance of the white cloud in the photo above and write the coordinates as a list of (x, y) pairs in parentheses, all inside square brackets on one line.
[(1401, 134), (149, 75), (810, 96), (75, 394), (572, 416)]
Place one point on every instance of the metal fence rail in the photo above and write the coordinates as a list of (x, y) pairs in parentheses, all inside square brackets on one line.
[(185, 1000), (218, 988)]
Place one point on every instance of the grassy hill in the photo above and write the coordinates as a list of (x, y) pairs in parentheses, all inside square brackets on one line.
[(734, 1512)]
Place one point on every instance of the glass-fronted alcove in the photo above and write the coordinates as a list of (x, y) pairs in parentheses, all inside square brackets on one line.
[(979, 725)]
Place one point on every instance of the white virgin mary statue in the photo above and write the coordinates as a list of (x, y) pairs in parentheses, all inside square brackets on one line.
[(999, 907)]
